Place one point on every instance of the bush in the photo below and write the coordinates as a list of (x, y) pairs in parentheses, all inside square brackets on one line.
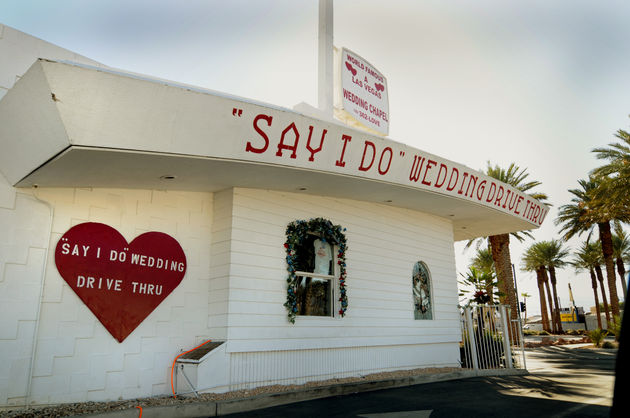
[(615, 327), (597, 336), (543, 332), (490, 354), (529, 332), (608, 344)]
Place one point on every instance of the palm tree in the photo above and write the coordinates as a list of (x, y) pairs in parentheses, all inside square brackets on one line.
[(479, 281), (532, 261), (500, 244), (621, 253), (483, 262), (618, 168), (554, 256), (586, 258), (587, 209)]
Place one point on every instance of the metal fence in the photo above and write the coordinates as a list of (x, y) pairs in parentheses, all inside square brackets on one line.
[(490, 339)]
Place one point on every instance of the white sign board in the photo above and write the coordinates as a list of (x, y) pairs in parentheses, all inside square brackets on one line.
[(364, 92)]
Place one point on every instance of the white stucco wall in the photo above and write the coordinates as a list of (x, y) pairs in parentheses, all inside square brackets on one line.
[(75, 358), (19, 51)]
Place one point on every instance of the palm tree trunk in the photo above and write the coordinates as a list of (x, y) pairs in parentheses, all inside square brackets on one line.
[(553, 323), (552, 276), (621, 269), (600, 277), (594, 286), (490, 291), (607, 249), (500, 246), (543, 304)]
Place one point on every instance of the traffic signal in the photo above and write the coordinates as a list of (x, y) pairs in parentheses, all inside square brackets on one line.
[(523, 308)]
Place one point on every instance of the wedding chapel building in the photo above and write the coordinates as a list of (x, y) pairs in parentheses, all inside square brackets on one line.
[(141, 217)]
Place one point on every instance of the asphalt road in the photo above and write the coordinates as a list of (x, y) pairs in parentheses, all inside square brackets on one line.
[(563, 382)]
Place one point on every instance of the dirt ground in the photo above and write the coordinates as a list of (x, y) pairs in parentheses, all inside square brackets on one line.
[(95, 407)]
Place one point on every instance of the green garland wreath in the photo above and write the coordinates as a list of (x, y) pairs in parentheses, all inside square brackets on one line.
[(296, 233)]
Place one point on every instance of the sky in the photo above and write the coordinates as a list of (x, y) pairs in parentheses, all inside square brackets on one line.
[(537, 83)]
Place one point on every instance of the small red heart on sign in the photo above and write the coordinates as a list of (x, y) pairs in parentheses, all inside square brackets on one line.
[(121, 283), (351, 68)]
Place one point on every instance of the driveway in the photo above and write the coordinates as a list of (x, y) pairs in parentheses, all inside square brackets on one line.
[(563, 382)]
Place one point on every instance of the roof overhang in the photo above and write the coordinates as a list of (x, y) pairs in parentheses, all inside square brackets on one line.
[(69, 125)]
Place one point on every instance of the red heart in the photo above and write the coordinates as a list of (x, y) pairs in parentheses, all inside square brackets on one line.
[(121, 283), (351, 68)]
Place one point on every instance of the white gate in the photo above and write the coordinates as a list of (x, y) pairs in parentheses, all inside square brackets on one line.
[(490, 339)]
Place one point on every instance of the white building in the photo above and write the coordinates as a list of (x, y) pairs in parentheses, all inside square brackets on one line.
[(224, 177)]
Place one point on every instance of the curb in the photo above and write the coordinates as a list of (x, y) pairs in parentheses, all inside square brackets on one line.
[(232, 406)]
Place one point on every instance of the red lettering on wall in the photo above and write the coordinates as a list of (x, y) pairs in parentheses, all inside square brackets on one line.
[(250, 147), (416, 168), (470, 180), (389, 163), (506, 198), (518, 202), (340, 162), (536, 213), (543, 215), (370, 145), (493, 190), (500, 193), (282, 145), (450, 187), (308, 143), (461, 189), (481, 189), (526, 212), (430, 163), (443, 169), (512, 203)]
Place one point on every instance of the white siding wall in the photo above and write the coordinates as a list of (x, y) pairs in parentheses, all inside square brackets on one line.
[(379, 331), (384, 243), (76, 359), (249, 370), (220, 265)]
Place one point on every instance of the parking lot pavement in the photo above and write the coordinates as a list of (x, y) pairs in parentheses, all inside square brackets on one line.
[(563, 382)]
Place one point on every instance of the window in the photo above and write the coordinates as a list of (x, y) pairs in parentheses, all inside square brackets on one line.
[(421, 283), (316, 262), (315, 270)]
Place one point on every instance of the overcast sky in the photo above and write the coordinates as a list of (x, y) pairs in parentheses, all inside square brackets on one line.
[(538, 83)]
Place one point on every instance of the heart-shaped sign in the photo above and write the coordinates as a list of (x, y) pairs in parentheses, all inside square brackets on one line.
[(121, 283)]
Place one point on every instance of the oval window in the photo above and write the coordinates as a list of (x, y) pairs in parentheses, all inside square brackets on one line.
[(421, 282)]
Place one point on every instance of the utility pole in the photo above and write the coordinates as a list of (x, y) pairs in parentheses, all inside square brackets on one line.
[(325, 58)]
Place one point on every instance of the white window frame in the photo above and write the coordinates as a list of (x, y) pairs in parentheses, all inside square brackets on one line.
[(334, 284)]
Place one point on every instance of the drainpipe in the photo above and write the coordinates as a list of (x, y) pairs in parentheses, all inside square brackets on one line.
[(40, 299)]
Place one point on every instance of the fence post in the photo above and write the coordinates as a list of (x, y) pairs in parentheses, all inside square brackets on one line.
[(507, 345), (471, 338)]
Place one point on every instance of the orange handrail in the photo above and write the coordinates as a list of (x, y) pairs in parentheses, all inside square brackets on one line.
[(173, 367)]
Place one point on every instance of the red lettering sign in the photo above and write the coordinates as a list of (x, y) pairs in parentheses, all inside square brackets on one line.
[(121, 283)]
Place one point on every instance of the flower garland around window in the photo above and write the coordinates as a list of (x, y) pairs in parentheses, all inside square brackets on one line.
[(296, 232)]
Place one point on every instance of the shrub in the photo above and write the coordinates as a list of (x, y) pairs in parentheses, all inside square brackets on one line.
[(608, 344), (543, 332), (615, 327), (490, 354), (597, 336)]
